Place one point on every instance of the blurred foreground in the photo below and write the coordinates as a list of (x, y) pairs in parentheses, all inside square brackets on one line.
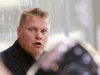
[(70, 58)]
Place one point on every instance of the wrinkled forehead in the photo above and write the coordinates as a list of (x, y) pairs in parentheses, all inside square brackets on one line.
[(38, 21)]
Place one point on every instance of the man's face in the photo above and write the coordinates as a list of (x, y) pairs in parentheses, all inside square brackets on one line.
[(33, 35)]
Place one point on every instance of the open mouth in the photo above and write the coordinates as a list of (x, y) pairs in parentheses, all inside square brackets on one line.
[(37, 43)]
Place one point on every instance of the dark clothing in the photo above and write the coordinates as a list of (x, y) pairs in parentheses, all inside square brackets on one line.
[(17, 60)]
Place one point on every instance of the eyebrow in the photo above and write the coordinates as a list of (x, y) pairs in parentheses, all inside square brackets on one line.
[(39, 27)]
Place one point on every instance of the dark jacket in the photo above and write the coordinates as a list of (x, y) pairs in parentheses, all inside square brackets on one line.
[(17, 60)]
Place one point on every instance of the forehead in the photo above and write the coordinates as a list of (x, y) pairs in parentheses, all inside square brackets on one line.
[(37, 21), (37, 17)]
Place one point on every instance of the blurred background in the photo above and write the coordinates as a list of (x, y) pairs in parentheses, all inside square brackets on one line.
[(77, 19)]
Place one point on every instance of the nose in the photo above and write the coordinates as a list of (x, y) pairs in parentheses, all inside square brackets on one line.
[(38, 35)]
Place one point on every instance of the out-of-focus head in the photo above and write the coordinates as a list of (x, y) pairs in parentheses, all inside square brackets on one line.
[(33, 31)]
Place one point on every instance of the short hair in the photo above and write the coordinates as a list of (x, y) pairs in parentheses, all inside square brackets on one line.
[(33, 11)]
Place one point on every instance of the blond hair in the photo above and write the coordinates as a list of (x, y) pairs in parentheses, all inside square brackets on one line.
[(33, 11)]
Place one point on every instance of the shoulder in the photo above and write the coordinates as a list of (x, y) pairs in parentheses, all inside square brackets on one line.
[(6, 52), (7, 55), (9, 51)]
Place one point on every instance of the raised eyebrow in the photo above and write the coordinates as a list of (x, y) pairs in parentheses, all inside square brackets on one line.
[(44, 29), (34, 27), (41, 29)]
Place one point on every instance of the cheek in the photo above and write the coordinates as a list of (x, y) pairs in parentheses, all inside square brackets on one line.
[(45, 39), (27, 36)]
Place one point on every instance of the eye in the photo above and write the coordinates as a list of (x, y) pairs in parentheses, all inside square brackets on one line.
[(43, 31), (31, 29)]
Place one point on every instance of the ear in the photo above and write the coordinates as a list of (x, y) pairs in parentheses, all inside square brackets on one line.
[(18, 33)]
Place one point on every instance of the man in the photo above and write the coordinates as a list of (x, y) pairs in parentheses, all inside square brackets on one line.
[(32, 37)]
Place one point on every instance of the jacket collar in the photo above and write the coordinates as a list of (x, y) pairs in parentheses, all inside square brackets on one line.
[(22, 58)]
